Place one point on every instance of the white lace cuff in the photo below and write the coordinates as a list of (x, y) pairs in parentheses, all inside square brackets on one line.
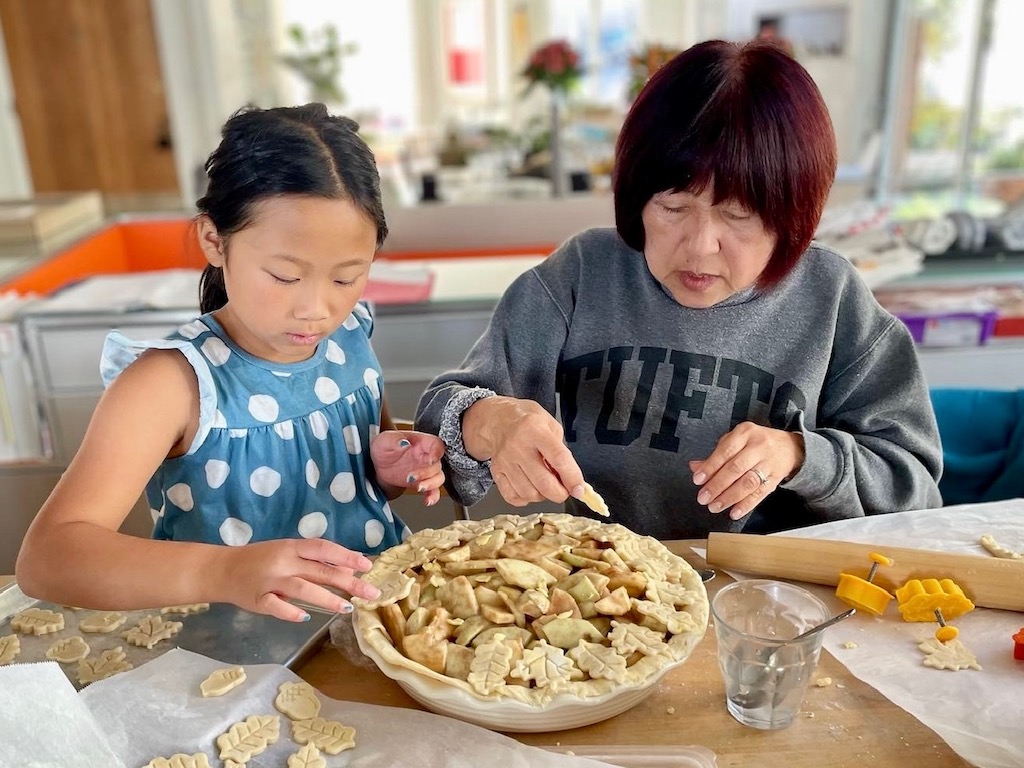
[(450, 431)]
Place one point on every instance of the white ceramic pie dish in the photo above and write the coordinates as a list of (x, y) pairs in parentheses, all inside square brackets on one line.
[(562, 712)]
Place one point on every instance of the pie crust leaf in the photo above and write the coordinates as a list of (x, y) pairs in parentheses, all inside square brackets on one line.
[(599, 661), (185, 610), (10, 647), (298, 701), (221, 681), (307, 757), (545, 665), (103, 622), (491, 664), (37, 621), (68, 650), (328, 735), (248, 738), (951, 654), (180, 760), (107, 664), (151, 630)]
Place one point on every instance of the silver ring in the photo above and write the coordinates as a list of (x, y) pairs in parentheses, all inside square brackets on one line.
[(760, 475)]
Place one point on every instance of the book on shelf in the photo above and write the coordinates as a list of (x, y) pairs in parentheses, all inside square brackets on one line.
[(48, 221)]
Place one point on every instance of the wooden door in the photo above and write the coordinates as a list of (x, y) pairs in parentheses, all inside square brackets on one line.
[(90, 96)]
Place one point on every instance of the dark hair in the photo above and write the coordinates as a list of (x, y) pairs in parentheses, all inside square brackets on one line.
[(746, 118), (266, 153)]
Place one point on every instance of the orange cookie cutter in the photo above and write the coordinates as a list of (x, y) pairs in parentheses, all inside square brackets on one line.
[(861, 593)]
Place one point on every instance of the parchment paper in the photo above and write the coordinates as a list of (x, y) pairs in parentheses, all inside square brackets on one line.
[(979, 714), (44, 723), (157, 710)]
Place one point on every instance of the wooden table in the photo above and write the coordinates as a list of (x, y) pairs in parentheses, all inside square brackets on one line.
[(847, 723)]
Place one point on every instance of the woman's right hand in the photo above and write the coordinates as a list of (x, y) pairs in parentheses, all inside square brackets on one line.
[(529, 459), (264, 577)]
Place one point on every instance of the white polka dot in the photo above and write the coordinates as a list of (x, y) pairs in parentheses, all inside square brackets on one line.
[(406, 533), (216, 351), (351, 399), (156, 514), (264, 481), (281, 374), (335, 353), (361, 311), (350, 323), (219, 422), (264, 408), (374, 530), (352, 444), (369, 490), (235, 532), (313, 525), (318, 424), (193, 330), (285, 430), (217, 472), (312, 473), (370, 378), (388, 513), (238, 432), (326, 390), (343, 487), (181, 496), (374, 431)]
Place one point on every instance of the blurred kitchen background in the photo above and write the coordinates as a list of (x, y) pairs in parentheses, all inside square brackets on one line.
[(109, 108)]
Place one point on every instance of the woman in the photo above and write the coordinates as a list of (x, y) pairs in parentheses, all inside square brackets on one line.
[(703, 358)]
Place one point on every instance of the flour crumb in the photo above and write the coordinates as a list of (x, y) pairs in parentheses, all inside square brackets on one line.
[(809, 714), (823, 682), (670, 710), (840, 685), (849, 644)]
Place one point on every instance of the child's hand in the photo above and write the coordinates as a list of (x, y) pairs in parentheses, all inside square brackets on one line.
[(264, 577), (409, 460)]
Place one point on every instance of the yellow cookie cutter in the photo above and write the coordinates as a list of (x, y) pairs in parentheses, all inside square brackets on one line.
[(861, 593)]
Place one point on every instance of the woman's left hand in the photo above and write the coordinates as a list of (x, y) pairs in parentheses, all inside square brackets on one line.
[(409, 460), (748, 463)]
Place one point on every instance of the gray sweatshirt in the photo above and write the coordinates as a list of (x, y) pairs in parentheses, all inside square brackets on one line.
[(643, 385)]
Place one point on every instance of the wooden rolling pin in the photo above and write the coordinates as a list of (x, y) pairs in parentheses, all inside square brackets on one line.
[(990, 582)]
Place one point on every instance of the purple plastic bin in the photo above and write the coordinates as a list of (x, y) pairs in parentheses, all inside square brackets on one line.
[(950, 329)]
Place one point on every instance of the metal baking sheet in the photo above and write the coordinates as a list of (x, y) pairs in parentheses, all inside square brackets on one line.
[(224, 632)]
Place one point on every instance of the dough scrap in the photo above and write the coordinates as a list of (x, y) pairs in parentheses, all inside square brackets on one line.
[(37, 621), (952, 654), (823, 682), (180, 760), (248, 738), (297, 700), (151, 630), (221, 681), (103, 622), (328, 735), (107, 664), (307, 757), (593, 500), (10, 647), (185, 610), (988, 541), (68, 650)]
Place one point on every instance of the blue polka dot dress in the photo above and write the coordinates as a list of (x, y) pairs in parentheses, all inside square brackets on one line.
[(282, 450)]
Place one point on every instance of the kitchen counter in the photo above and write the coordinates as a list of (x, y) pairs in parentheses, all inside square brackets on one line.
[(847, 723)]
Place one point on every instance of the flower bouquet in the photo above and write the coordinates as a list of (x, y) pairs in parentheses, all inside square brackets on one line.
[(555, 64)]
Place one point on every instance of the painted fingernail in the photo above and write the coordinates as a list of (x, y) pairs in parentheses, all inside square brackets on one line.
[(699, 478), (736, 514), (410, 479), (403, 443), (715, 508), (577, 492), (703, 497), (305, 617), (346, 607)]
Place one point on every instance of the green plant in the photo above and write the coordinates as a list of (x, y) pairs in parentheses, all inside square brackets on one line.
[(317, 60)]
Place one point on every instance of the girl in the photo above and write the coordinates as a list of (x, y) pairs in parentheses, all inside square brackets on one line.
[(258, 425)]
